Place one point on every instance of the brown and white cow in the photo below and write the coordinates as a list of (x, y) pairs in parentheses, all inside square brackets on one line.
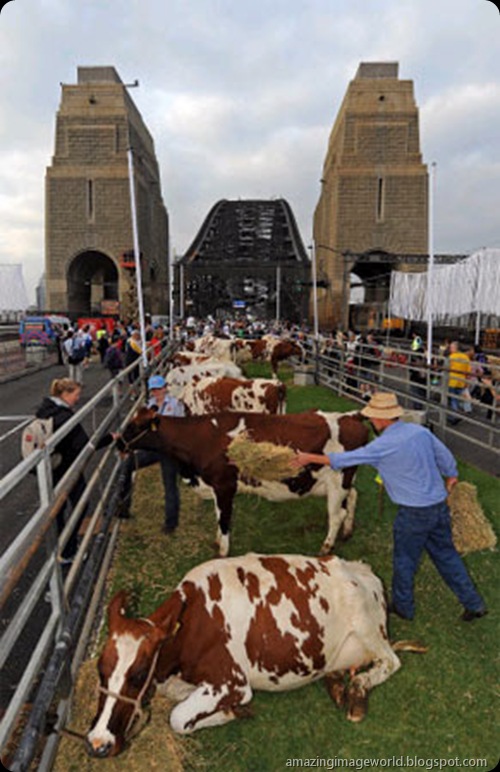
[(180, 377), (199, 444), (219, 348), (181, 358), (271, 349), (255, 622), (214, 395), (283, 350)]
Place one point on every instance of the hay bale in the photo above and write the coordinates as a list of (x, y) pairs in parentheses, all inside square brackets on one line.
[(470, 528), (261, 460), (493, 362)]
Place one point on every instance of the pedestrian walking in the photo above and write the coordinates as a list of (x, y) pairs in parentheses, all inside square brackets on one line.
[(113, 358), (133, 352), (102, 342), (76, 350)]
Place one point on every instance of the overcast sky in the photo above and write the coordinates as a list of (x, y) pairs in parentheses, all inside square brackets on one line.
[(240, 97)]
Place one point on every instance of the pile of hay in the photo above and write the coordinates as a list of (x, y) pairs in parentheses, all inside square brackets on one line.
[(470, 528), (261, 460)]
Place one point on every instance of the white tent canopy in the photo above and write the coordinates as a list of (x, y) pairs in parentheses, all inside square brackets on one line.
[(13, 295), (469, 287)]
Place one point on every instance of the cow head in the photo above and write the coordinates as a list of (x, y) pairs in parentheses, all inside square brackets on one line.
[(292, 348), (127, 673), (144, 421)]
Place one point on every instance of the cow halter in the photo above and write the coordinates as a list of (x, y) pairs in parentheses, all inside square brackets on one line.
[(143, 715), (138, 711), (128, 445)]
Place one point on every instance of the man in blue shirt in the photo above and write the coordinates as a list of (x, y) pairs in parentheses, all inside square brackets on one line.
[(138, 459), (412, 463)]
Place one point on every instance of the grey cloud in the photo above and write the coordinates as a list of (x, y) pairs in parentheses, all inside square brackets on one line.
[(263, 81)]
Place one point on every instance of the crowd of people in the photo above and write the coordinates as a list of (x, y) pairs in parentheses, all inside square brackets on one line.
[(470, 378), (470, 381), (117, 345)]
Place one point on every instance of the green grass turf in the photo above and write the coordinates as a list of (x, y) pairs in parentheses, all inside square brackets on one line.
[(439, 706)]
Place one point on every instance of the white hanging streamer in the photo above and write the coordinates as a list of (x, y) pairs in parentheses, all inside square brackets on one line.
[(471, 286)]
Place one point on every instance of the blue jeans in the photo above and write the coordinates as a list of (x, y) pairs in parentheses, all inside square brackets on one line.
[(142, 458), (455, 392), (428, 528)]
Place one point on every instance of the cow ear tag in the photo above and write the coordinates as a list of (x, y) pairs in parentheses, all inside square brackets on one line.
[(154, 427), (175, 630)]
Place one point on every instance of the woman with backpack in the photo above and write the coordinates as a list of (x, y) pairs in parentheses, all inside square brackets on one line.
[(59, 406)]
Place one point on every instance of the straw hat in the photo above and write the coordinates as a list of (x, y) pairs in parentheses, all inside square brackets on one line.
[(383, 405)]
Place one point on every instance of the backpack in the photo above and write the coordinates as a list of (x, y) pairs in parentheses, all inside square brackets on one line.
[(113, 359), (78, 351), (35, 436)]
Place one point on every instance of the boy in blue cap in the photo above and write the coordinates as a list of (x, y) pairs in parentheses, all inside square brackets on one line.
[(138, 459)]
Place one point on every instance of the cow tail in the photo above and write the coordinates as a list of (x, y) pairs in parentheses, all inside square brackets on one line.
[(416, 647)]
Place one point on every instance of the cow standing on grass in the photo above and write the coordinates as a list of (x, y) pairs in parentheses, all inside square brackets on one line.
[(180, 377), (269, 349), (266, 622), (199, 444), (214, 395)]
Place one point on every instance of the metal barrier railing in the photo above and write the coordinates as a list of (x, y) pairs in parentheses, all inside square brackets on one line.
[(355, 381), (59, 640)]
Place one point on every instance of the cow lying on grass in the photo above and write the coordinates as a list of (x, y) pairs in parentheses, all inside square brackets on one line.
[(199, 444), (268, 622)]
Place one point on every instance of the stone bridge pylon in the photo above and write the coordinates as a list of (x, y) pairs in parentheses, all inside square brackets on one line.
[(89, 259)]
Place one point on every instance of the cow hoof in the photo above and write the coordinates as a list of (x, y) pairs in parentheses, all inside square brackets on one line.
[(335, 687), (357, 705), (242, 711), (325, 550)]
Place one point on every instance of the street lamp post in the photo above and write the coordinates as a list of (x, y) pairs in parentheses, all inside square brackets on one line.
[(171, 291), (137, 255), (345, 294), (430, 267), (135, 237), (312, 247)]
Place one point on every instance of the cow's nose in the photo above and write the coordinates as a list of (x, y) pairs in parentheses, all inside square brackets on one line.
[(98, 750)]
